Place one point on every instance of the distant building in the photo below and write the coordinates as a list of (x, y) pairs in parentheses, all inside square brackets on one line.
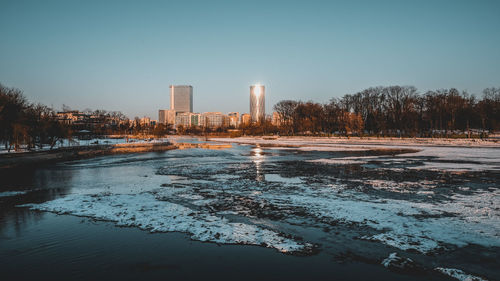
[(196, 119), (145, 121), (188, 119), (215, 119), (183, 119), (88, 120), (245, 119), (257, 103), (234, 119), (68, 117), (276, 119), (181, 98), (166, 116)]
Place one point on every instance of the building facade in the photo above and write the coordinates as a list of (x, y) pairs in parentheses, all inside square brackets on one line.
[(181, 98), (188, 119), (69, 117), (257, 103), (214, 119), (145, 121), (196, 119), (183, 119), (234, 119), (245, 119), (276, 119), (166, 116)]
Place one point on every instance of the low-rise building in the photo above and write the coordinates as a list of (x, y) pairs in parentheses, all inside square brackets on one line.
[(215, 119), (276, 119), (188, 119), (68, 117), (234, 119), (246, 119), (166, 116), (145, 121), (196, 119), (183, 119)]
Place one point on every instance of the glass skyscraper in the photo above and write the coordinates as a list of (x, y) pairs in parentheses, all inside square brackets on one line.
[(257, 103)]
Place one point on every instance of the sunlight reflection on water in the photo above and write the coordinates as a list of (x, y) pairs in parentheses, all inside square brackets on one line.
[(257, 159)]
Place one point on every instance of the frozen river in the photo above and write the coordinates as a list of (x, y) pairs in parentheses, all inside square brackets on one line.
[(335, 209)]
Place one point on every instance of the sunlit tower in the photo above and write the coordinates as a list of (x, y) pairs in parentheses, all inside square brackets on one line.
[(257, 103)]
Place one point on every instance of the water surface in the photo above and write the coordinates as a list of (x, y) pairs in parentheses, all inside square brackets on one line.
[(292, 214)]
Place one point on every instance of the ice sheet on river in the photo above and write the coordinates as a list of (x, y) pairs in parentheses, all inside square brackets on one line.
[(147, 212), (424, 227), (458, 274)]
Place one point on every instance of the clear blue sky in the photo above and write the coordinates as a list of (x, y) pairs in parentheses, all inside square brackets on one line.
[(122, 55)]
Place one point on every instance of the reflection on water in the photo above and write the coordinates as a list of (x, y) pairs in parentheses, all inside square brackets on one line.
[(257, 156), (37, 185)]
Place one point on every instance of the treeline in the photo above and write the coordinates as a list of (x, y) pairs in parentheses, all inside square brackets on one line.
[(378, 111), (34, 125), (97, 122), (26, 123), (394, 111)]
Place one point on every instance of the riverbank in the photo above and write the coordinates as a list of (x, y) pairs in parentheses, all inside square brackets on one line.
[(12, 160), (33, 158)]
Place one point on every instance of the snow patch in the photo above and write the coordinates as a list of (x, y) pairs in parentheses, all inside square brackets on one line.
[(458, 274), (397, 262), (345, 160), (12, 193), (145, 211)]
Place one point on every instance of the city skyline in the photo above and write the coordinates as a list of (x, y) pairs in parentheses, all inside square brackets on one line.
[(121, 57)]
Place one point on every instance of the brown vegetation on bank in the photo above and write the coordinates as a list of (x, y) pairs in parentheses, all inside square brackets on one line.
[(395, 111), (34, 158)]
